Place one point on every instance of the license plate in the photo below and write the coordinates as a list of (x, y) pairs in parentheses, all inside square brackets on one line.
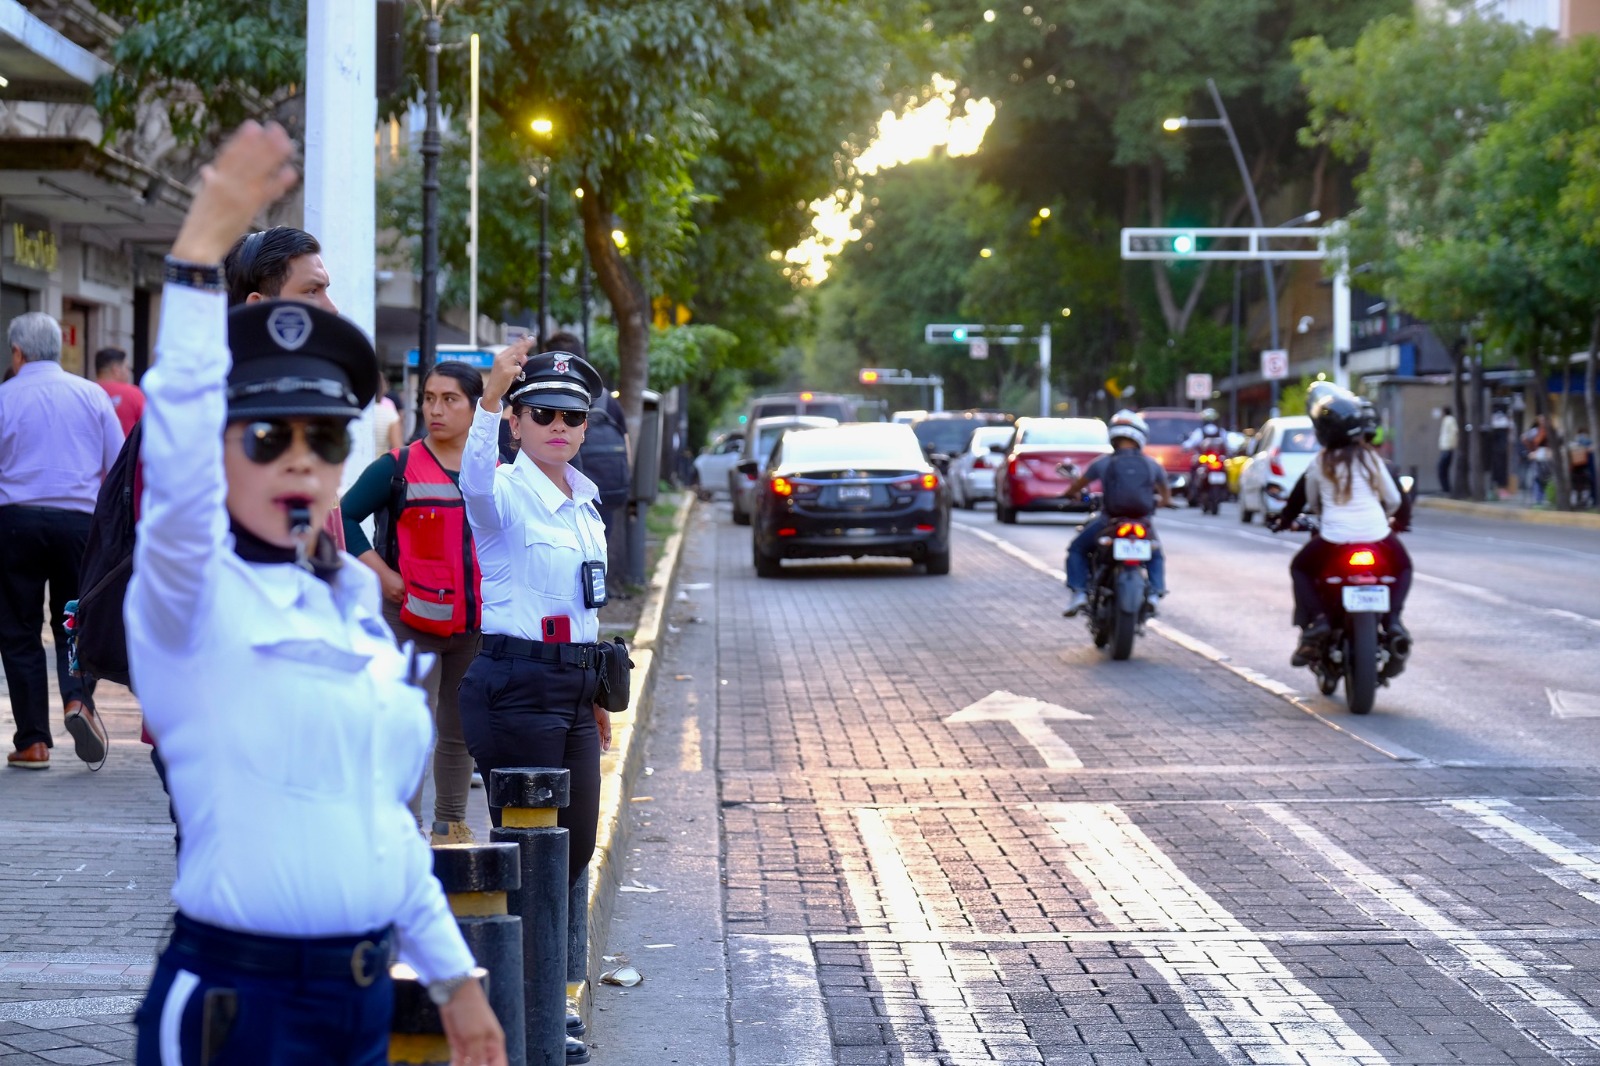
[(1124, 548), (850, 493), (1219, 477), (1366, 599)]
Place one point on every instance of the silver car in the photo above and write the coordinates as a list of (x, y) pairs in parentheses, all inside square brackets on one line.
[(1283, 449), (715, 462), (759, 438), (972, 472)]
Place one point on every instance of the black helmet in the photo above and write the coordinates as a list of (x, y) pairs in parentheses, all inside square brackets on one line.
[(1337, 418)]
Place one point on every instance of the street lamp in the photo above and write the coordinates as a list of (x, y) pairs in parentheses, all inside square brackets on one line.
[(542, 128), (1172, 125), (428, 341)]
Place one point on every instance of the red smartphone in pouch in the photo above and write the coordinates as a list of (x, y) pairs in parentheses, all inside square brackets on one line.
[(557, 628)]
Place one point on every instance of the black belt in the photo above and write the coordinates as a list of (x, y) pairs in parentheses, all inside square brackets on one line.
[(583, 656), (357, 959)]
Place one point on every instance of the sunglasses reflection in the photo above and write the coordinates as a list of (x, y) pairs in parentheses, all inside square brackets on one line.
[(265, 441)]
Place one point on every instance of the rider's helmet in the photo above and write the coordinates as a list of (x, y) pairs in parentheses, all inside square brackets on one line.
[(1371, 426), (1129, 426), (1337, 419), (1209, 416)]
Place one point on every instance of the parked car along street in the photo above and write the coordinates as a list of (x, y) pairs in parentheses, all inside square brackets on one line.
[(759, 437), (715, 462), (1284, 448), (865, 488), (1028, 480), (972, 472)]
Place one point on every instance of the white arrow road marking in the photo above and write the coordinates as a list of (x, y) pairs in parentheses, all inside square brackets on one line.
[(1032, 719), (1573, 704), (1250, 1006)]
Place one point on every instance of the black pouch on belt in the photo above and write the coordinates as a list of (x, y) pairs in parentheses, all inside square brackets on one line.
[(616, 676)]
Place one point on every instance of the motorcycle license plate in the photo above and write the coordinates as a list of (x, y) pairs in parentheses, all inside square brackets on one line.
[(1124, 548), (1366, 598), (1219, 477)]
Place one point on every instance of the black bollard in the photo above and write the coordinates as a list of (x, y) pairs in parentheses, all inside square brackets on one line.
[(528, 799), (477, 879), (578, 942), (416, 1034)]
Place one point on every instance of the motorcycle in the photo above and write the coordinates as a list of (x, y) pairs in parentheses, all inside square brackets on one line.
[(1119, 591), (1208, 486), (1355, 648)]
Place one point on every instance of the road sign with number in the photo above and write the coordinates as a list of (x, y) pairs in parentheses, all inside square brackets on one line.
[(978, 348), (1197, 386), (1274, 364)]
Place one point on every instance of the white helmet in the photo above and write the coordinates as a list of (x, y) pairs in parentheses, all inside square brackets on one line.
[(1127, 424)]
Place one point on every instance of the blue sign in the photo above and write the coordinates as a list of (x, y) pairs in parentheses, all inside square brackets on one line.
[(475, 357)]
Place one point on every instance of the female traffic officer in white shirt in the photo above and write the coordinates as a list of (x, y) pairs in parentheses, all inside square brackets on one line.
[(281, 704), (529, 699)]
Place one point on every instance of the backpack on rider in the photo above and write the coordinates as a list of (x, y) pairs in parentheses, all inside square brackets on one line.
[(1129, 486)]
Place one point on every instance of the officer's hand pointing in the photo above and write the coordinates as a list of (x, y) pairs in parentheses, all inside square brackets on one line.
[(507, 365), (251, 171)]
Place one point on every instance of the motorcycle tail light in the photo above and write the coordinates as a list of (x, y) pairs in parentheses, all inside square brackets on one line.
[(1364, 557), (1131, 529)]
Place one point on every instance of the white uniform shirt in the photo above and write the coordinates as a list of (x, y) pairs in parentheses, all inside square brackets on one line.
[(278, 700), (532, 540), (1364, 517)]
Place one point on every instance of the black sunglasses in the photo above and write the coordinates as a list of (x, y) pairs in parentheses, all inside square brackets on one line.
[(265, 441), (543, 416)]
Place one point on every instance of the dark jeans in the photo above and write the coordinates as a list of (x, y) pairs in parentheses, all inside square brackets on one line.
[(1306, 571), (521, 712), (41, 546), (281, 1021), (1447, 466), (1083, 546)]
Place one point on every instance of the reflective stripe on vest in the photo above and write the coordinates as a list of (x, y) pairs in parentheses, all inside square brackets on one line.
[(438, 561)]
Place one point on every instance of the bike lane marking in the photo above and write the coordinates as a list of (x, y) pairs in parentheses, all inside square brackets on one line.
[(1250, 1007), (1514, 829), (1546, 1017)]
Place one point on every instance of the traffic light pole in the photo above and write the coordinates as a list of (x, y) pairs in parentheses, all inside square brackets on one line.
[(966, 333)]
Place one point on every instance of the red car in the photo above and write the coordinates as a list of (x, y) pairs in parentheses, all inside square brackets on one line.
[(1028, 479), (1169, 428)]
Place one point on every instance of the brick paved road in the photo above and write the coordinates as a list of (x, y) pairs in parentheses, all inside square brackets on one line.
[(1188, 870)]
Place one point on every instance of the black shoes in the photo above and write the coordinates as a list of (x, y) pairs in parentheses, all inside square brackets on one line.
[(577, 1051), (575, 1026), (1310, 648)]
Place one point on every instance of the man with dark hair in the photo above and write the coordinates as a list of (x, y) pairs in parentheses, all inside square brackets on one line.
[(58, 438), (281, 262), (111, 373)]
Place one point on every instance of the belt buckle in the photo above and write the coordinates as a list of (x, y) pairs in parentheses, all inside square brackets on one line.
[(358, 966)]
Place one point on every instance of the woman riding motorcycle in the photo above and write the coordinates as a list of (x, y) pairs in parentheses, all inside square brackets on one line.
[(1352, 489)]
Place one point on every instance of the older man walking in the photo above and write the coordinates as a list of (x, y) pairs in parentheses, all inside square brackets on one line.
[(59, 436)]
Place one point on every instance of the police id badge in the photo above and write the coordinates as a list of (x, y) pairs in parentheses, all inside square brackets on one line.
[(594, 583)]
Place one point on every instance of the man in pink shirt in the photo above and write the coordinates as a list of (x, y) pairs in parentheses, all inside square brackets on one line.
[(111, 373)]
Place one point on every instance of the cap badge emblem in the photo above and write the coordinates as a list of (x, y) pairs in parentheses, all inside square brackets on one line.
[(289, 327), (560, 366)]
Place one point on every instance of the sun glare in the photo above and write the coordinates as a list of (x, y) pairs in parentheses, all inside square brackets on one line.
[(901, 138)]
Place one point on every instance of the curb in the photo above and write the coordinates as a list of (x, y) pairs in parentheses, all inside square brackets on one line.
[(1508, 513), (619, 767)]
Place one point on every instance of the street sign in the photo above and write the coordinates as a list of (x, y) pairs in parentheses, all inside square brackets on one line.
[(446, 353), (1197, 386), (1274, 364), (978, 348)]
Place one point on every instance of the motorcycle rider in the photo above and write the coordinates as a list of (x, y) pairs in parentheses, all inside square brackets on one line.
[(1209, 432), (1353, 490), (1129, 489)]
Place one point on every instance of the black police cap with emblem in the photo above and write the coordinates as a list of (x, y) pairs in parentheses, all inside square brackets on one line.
[(291, 359), (559, 381)]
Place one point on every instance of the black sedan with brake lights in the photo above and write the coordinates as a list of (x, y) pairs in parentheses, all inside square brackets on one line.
[(863, 488)]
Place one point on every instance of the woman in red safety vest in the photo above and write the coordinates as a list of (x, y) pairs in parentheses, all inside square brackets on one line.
[(426, 561)]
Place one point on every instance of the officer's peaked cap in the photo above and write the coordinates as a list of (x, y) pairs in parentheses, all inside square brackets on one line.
[(291, 359), (560, 381)]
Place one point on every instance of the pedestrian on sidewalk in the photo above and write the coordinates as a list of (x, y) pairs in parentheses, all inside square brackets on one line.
[(428, 568), (59, 436), (111, 372), (290, 722), (1449, 435)]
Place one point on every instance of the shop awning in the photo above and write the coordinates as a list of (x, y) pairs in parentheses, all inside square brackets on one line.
[(73, 182), (38, 63)]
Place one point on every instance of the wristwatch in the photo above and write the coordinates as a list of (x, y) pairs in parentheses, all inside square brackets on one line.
[(443, 990)]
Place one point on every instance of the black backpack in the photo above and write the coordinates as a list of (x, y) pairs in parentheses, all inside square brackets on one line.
[(99, 634), (1128, 488), (604, 459)]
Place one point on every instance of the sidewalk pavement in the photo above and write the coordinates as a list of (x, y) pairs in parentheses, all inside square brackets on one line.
[(89, 861), (1513, 510)]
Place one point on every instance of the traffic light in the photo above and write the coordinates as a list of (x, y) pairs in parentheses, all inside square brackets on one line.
[(959, 334), (1183, 243), (868, 376)]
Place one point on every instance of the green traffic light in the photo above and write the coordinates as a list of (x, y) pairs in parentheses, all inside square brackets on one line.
[(1183, 243), (743, 419), (958, 334)]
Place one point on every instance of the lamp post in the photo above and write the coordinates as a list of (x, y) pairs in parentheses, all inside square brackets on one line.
[(428, 341), (542, 128), (1184, 122)]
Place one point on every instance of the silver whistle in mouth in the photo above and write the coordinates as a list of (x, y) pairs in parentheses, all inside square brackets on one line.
[(299, 526)]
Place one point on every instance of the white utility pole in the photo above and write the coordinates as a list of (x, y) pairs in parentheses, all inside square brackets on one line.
[(1044, 371), (472, 228), (341, 169)]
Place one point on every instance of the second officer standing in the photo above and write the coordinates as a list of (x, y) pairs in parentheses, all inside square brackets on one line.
[(531, 696)]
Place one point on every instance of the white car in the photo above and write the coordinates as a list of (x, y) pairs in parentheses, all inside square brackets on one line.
[(715, 462), (759, 438), (972, 471), (1283, 449)]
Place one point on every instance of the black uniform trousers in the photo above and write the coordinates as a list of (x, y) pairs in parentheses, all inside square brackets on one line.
[(39, 546), (521, 712)]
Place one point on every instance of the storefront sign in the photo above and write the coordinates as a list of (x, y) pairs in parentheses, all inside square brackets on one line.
[(35, 249)]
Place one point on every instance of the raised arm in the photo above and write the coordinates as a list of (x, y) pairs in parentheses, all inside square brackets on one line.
[(183, 519), (478, 484)]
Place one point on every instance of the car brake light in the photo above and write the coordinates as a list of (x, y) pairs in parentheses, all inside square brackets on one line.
[(924, 529), (980, 463), (1364, 557), (787, 532), (782, 486), (1020, 469), (1274, 465), (930, 481)]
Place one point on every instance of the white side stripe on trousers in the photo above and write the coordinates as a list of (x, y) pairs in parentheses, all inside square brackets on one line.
[(183, 987)]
